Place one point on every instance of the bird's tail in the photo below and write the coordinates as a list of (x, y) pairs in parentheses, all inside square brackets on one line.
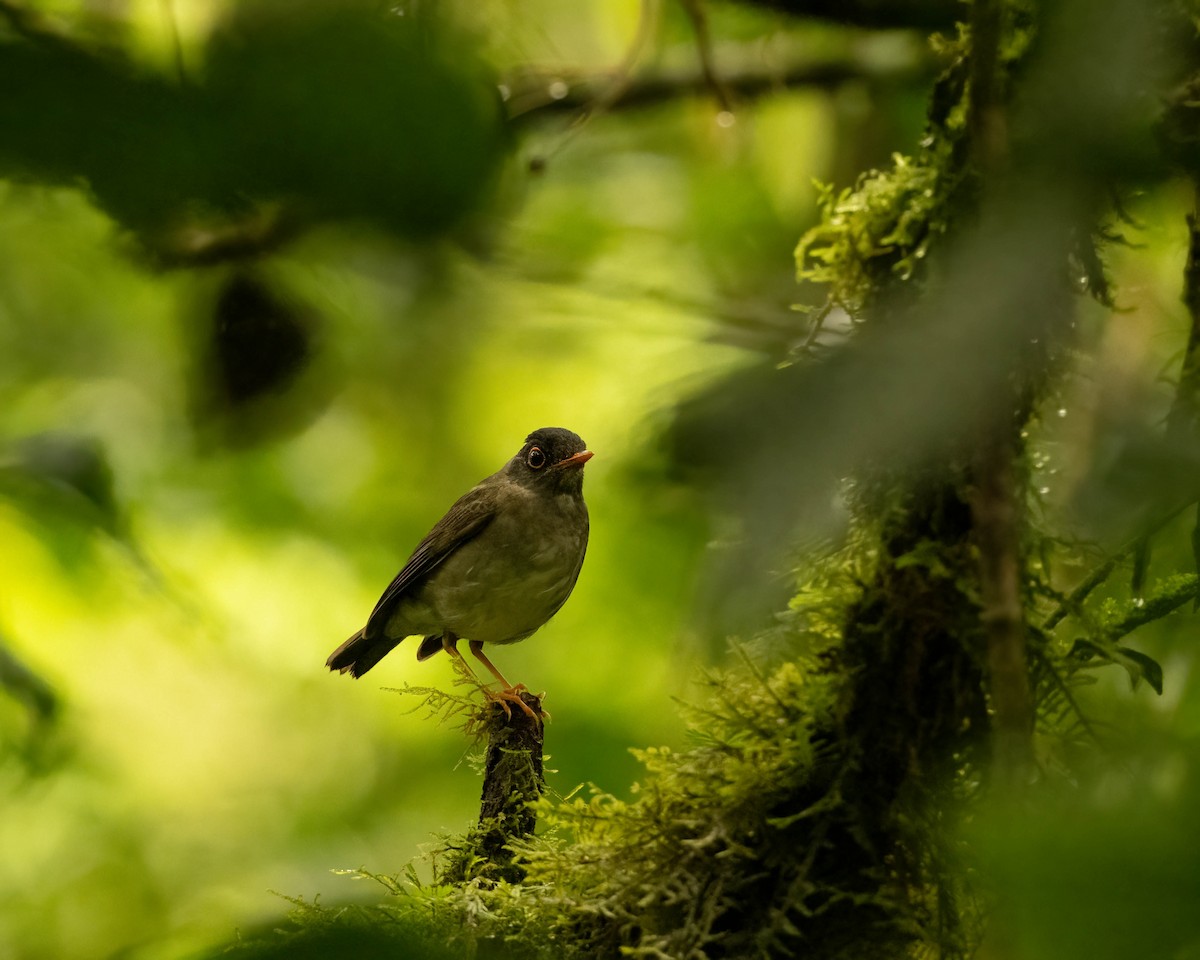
[(358, 654)]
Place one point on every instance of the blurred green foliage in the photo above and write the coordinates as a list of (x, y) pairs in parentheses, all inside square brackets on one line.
[(332, 110), (179, 586), (277, 282)]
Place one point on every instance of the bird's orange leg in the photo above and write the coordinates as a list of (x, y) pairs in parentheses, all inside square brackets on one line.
[(450, 645), (510, 693)]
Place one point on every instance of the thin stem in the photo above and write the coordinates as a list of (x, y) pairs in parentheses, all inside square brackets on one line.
[(172, 21), (1074, 600), (704, 50), (995, 505), (996, 520)]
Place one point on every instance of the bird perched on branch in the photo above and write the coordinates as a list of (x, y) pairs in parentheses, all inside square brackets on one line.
[(497, 566)]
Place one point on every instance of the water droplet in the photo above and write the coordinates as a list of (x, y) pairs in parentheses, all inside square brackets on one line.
[(1024, 434), (1139, 602), (1043, 490), (726, 119), (558, 89), (1062, 411)]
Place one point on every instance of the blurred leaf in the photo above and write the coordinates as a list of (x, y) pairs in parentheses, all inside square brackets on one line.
[(68, 467), (344, 114), (63, 481), (1139, 478), (254, 379), (356, 115), (34, 737), (259, 342), (1077, 878), (21, 683), (772, 444), (934, 363)]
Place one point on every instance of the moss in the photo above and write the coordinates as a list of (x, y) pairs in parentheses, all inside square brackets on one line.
[(879, 230), (876, 235), (874, 240)]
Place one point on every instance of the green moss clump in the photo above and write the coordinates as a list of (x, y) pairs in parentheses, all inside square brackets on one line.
[(879, 230), (876, 235)]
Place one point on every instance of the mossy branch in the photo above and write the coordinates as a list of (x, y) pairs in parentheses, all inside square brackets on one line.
[(512, 775), (1174, 594), (1072, 604), (513, 780)]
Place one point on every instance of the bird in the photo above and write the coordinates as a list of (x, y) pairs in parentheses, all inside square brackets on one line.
[(494, 569)]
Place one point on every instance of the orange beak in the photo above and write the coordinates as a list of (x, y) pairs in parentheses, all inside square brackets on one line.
[(578, 460)]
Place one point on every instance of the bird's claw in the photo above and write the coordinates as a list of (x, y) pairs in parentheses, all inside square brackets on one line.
[(511, 695)]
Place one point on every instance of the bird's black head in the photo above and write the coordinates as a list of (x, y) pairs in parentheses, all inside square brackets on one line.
[(552, 459)]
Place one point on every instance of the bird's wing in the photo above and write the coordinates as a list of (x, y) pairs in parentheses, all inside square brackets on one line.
[(466, 519)]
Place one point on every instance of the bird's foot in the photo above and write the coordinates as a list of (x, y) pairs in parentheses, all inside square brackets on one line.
[(512, 695)]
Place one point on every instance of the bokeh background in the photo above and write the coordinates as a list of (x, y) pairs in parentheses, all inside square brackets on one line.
[(185, 533)]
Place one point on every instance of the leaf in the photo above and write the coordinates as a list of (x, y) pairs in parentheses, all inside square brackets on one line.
[(329, 109), (70, 468), (1138, 665)]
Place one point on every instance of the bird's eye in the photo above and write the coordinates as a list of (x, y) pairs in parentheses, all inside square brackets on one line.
[(535, 458)]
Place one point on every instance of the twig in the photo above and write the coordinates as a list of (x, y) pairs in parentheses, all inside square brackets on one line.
[(1065, 690), (1186, 405), (924, 15), (531, 98), (704, 50), (819, 319), (1074, 600), (617, 84), (623, 76)]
